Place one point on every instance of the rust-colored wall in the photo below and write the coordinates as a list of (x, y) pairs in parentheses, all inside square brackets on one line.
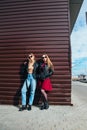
[(40, 26)]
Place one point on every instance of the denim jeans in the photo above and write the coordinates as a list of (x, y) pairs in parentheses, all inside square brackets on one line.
[(29, 82)]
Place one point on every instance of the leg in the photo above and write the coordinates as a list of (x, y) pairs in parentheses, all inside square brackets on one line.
[(44, 94), (45, 100), (24, 90), (32, 91)]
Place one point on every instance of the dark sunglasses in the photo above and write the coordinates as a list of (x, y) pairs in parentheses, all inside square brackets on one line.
[(44, 57), (30, 56)]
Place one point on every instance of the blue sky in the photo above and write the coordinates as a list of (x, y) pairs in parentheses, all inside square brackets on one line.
[(79, 43)]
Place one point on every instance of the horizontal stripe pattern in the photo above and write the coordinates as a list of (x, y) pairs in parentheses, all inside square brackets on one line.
[(39, 27)]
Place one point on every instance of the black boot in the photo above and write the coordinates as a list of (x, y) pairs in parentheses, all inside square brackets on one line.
[(46, 105), (42, 107), (29, 107), (22, 108)]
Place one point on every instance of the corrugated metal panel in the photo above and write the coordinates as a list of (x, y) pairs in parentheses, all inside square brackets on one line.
[(39, 27)]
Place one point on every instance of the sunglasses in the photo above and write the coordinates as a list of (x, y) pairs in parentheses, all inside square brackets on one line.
[(44, 57), (30, 56)]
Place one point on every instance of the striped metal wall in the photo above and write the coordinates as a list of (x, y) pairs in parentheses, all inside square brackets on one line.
[(38, 26)]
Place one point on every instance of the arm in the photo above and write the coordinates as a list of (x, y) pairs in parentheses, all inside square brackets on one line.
[(49, 73)]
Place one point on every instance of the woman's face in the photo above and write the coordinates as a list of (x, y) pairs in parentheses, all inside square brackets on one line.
[(31, 57), (44, 57)]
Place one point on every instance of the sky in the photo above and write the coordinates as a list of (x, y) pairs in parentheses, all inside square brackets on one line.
[(79, 43)]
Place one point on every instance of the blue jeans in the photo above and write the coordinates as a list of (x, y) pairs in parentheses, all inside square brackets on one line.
[(29, 82)]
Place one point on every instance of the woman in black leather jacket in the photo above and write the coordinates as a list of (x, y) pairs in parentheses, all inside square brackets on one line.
[(45, 71), (30, 81)]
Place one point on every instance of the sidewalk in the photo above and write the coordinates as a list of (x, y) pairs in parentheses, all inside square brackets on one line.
[(55, 118)]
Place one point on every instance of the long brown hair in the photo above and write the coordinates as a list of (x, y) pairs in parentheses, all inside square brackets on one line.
[(49, 63)]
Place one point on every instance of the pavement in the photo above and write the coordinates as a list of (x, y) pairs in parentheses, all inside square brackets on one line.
[(57, 117)]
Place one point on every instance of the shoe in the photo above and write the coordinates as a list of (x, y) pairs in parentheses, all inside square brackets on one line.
[(22, 108), (42, 107), (29, 108), (46, 105)]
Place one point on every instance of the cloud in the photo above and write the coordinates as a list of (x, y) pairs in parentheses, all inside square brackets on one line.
[(79, 66), (79, 43)]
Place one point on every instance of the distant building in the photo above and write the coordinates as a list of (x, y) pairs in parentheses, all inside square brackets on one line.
[(81, 77), (75, 78)]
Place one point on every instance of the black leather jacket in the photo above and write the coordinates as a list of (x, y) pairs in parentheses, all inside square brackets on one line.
[(35, 71), (44, 71)]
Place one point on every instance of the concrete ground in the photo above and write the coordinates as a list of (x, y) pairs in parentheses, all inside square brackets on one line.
[(55, 118)]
